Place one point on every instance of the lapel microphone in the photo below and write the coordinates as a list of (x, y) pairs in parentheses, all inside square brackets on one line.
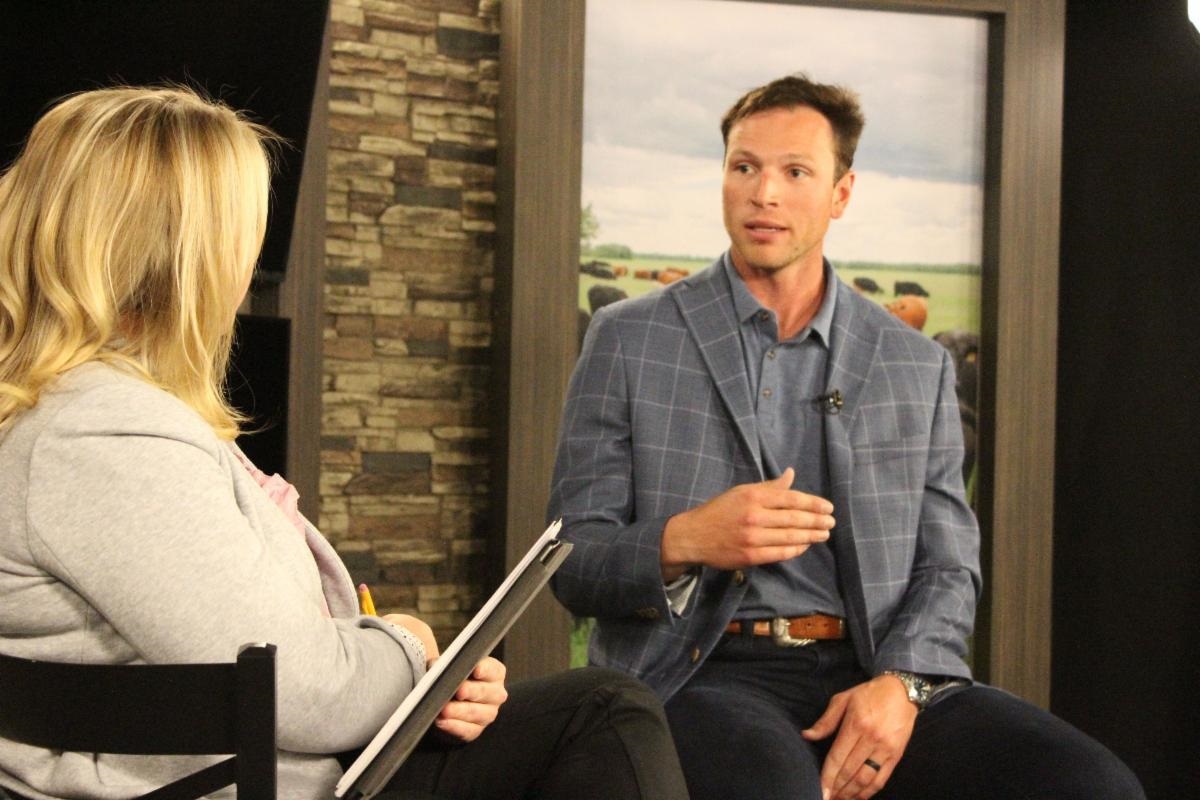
[(831, 403)]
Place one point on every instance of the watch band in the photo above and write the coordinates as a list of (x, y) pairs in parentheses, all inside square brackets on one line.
[(918, 688)]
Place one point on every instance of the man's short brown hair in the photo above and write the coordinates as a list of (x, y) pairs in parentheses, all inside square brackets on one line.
[(838, 104)]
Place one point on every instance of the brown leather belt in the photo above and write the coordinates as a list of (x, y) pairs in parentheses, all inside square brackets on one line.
[(795, 631)]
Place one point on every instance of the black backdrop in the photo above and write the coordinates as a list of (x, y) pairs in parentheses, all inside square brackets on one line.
[(257, 55), (1127, 502)]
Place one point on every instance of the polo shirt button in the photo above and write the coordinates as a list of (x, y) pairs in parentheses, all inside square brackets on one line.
[(695, 655), (739, 577)]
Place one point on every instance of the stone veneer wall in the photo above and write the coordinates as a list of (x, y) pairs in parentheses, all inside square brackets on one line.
[(410, 238)]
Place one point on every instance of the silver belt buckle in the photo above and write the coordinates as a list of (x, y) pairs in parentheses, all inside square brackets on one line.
[(783, 638)]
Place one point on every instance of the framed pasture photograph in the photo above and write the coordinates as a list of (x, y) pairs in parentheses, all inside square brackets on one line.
[(953, 225)]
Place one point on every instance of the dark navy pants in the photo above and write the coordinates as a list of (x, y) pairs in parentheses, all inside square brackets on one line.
[(737, 726)]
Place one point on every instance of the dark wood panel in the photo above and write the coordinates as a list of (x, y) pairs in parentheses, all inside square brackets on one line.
[(1025, 308), (300, 297), (538, 177)]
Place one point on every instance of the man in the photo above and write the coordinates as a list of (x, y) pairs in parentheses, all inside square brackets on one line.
[(761, 472)]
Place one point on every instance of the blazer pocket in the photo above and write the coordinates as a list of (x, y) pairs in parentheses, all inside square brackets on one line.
[(876, 452)]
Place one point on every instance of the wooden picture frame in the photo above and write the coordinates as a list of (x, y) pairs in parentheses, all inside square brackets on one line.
[(538, 183)]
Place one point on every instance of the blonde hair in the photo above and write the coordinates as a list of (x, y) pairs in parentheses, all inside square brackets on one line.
[(129, 226)]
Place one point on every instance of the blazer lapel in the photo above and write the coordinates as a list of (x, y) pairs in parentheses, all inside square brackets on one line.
[(707, 310), (852, 350)]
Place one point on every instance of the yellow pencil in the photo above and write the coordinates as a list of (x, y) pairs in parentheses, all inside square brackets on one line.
[(365, 602)]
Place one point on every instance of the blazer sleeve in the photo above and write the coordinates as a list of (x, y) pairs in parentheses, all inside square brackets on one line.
[(614, 569), (929, 632), (131, 503)]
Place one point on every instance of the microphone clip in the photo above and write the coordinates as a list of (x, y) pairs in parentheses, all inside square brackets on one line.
[(831, 403)]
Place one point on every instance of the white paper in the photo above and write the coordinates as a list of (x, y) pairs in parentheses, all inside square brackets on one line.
[(419, 691)]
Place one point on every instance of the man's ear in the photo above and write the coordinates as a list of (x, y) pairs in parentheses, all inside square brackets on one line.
[(842, 190)]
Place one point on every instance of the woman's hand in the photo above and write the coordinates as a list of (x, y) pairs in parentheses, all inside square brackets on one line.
[(476, 703)]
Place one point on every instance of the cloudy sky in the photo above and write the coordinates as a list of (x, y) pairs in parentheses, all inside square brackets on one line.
[(660, 73)]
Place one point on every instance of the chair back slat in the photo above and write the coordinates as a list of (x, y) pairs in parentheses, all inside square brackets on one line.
[(150, 709), (136, 708), (256, 723)]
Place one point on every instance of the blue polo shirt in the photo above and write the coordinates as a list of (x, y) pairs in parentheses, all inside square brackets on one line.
[(787, 380)]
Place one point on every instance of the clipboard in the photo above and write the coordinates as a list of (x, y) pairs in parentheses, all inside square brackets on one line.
[(399, 736)]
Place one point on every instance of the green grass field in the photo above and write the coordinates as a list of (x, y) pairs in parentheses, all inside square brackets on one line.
[(953, 291), (953, 296)]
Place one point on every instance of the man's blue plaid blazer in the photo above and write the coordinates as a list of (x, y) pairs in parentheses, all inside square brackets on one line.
[(659, 419)]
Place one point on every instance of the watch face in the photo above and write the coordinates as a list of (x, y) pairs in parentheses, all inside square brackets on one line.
[(918, 688)]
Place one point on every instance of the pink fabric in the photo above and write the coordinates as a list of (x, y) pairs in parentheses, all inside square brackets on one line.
[(282, 493), (285, 496)]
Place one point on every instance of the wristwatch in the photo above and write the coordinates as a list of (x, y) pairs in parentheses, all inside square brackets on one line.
[(919, 689)]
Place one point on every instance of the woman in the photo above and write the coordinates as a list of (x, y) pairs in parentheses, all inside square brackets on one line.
[(132, 530)]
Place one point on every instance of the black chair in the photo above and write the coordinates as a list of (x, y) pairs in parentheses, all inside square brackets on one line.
[(139, 709)]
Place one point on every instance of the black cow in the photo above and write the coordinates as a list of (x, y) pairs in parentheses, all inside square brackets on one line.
[(600, 269), (584, 319), (600, 296), (867, 285), (963, 347), (910, 287)]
